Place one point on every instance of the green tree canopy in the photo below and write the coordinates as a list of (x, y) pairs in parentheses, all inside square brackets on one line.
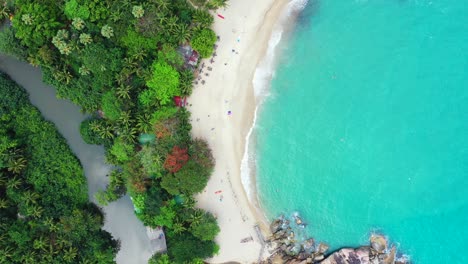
[(74, 10), (121, 150), (111, 105), (120, 57), (191, 179), (44, 210), (206, 229), (35, 23), (10, 45), (184, 247), (203, 41), (163, 85), (136, 42), (103, 63)]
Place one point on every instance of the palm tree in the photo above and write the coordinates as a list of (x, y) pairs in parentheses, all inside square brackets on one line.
[(123, 92), (48, 255), (67, 76), (3, 203), (203, 18), (140, 55), (5, 254), (34, 60), (95, 126), (29, 257), (16, 162), (161, 18), (128, 134), (106, 132), (186, 82), (125, 4), (35, 211), (63, 76), (70, 254), (140, 72), (196, 217), (171, 23), (197, 28), (4, 12), (40, 243), (30, 197), (116, 15), (181, 33), (189, 202), (86, 261), (178, 227), (46, 55), (215, 4), (130, 63), (125, 118), (122, 76), (144, 123), (14, 183), (49, 222), (3, 235), (3, 179), (62, 242), (162, 5)]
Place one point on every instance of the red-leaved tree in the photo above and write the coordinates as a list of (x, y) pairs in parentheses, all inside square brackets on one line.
[(176, 159)]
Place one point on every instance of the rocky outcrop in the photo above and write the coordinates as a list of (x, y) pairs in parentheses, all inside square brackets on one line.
[(376, 253), (287, 250), (378, 243), (285, 247), (349, 255)]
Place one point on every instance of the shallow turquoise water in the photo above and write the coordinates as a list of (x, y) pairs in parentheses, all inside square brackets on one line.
[(366, 126)]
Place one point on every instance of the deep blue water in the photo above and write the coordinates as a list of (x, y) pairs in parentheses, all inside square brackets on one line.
[(366, 126)]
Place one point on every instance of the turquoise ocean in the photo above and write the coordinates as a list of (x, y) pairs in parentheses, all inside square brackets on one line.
[(364, 126)]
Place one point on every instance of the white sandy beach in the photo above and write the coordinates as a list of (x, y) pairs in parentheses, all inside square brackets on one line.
[(246, 29)]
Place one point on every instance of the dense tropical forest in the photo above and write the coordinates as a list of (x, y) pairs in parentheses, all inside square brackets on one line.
[(45, 216), (121, 61)]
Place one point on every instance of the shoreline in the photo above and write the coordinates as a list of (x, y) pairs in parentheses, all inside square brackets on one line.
[(264, 72), (243, 43)]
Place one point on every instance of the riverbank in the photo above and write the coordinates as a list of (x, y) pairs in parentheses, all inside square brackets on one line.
[(120, 220), (222, 107)]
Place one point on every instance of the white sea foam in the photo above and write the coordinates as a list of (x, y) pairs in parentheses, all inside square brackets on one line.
[(262, 77)]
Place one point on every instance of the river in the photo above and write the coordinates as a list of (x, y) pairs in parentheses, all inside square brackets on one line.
[(120, 221)]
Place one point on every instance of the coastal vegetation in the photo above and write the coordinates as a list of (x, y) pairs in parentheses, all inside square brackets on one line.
[(119, 61), (45, 216)]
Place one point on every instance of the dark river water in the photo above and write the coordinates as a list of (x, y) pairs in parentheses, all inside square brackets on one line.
[(121, 222)]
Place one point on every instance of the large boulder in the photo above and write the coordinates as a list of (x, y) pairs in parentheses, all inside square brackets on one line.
[(390, 257), (308, 245), (275, 226), (318, 257), (282, 234), (378, 243), (322, 248), (349, 256)]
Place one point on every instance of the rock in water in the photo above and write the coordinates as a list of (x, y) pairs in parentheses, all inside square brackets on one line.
[(390, 257), (319, 257), (350, 256), (322, 248), (361, 255), (276, 225), (308, 245), (378, 243)]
